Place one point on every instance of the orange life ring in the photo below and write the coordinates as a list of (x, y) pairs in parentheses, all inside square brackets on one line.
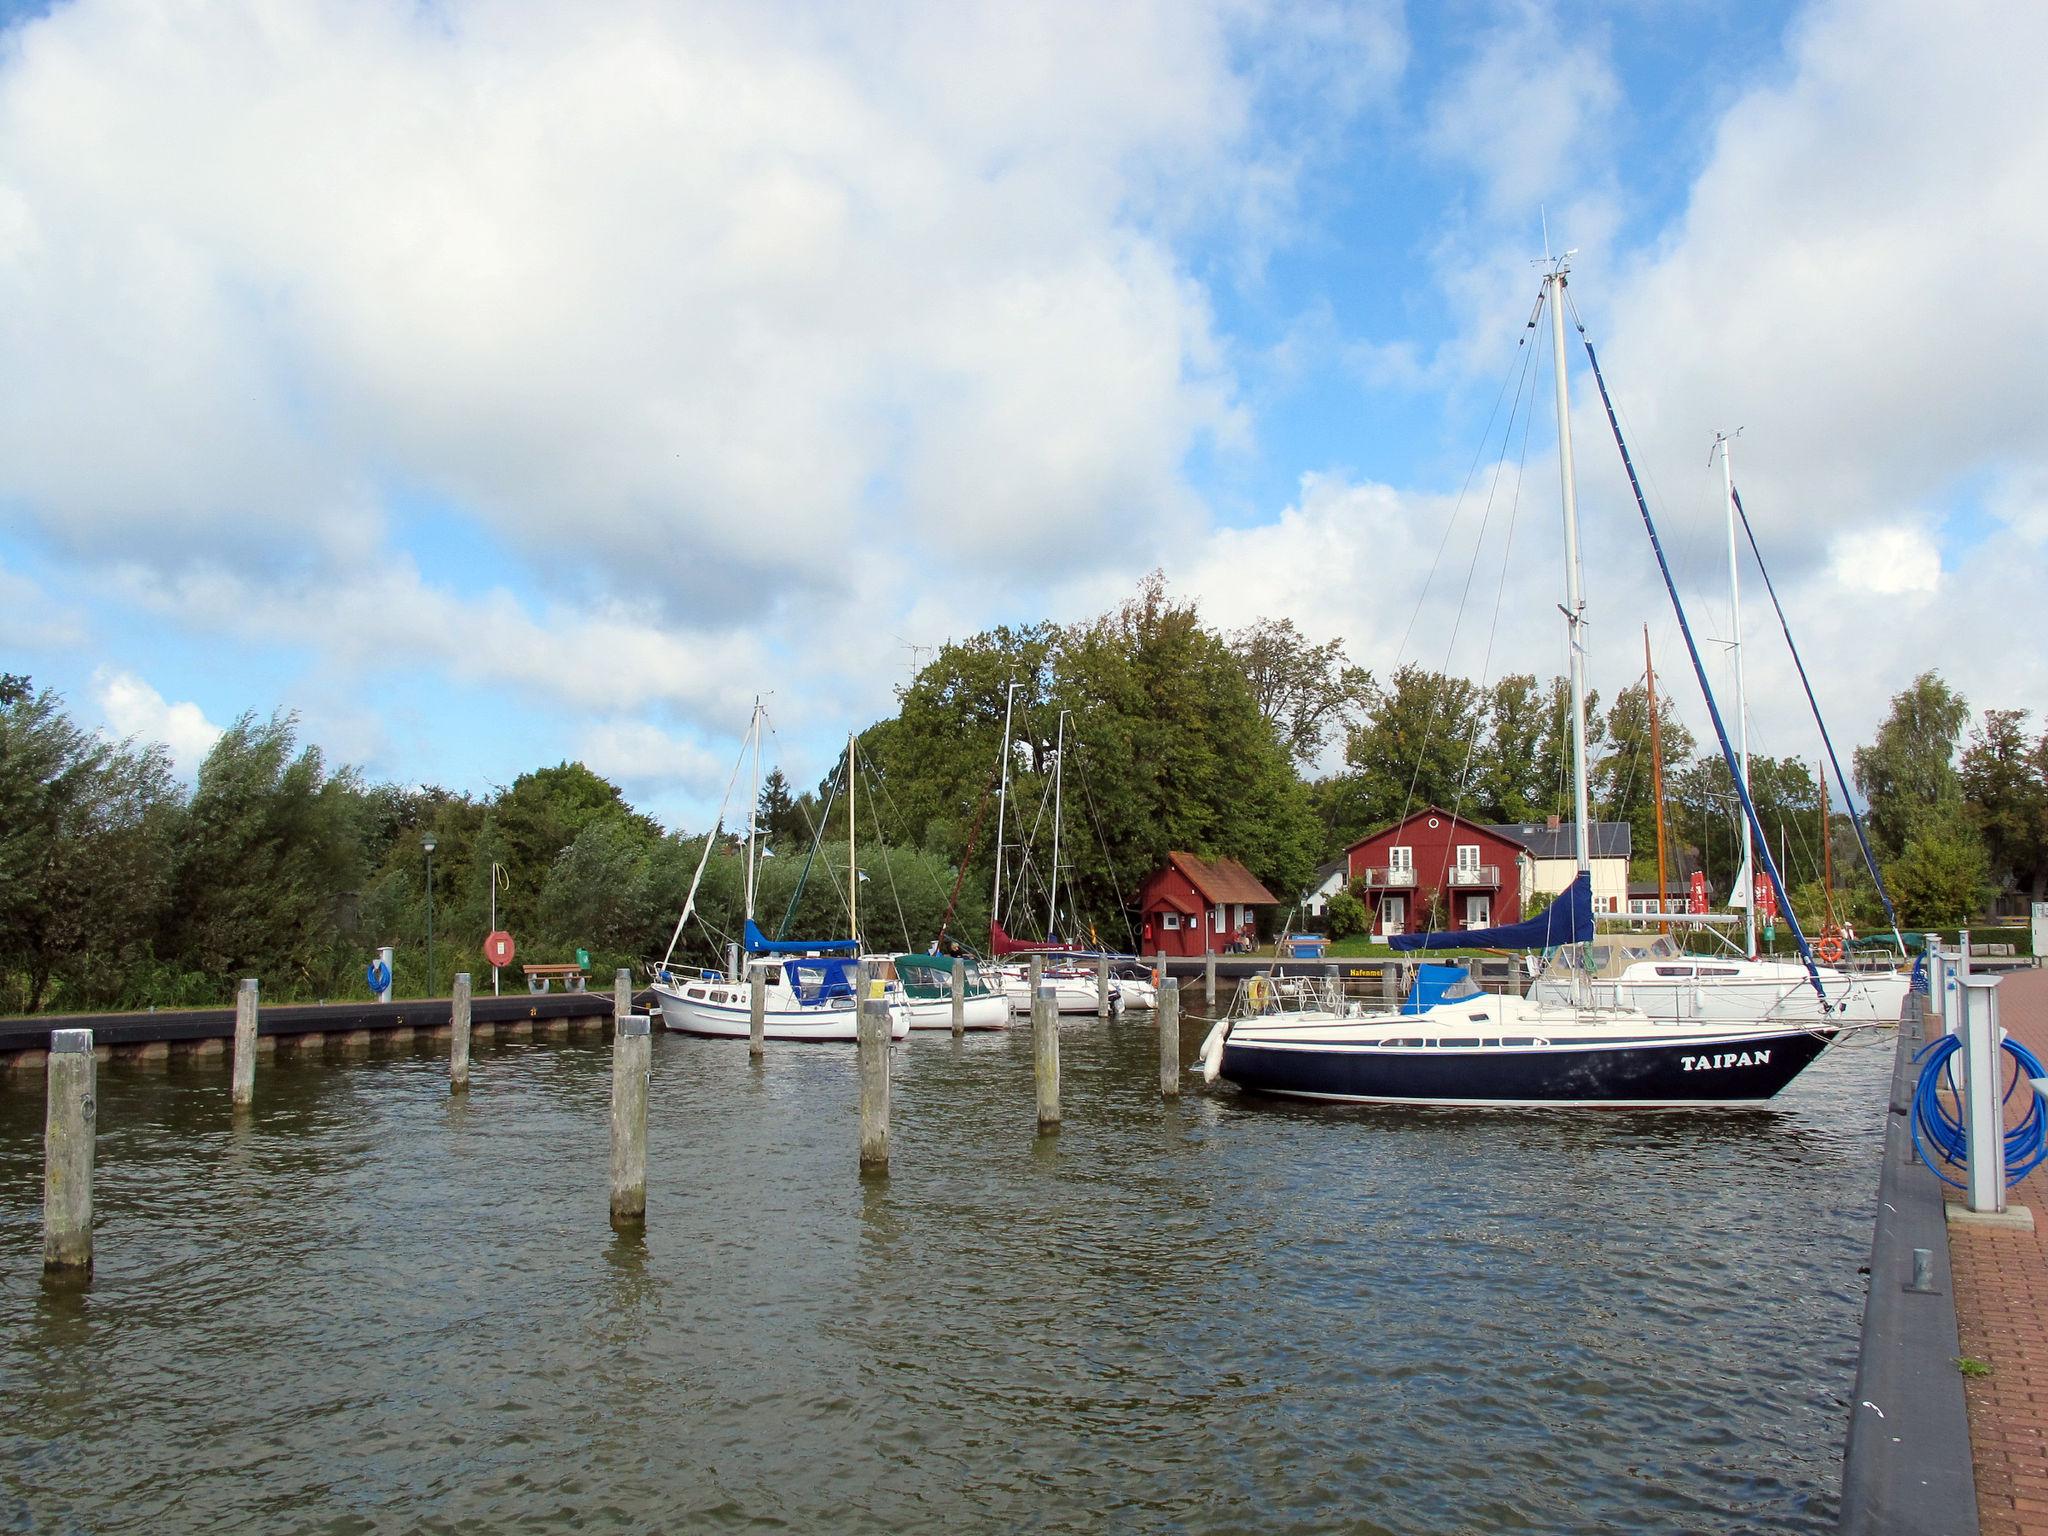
[(1828, 948)]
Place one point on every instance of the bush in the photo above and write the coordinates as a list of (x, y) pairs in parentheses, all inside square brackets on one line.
[(1346, 915)]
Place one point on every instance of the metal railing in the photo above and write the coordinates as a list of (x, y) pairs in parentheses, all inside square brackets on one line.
[(1475, 874), (1387, 879)]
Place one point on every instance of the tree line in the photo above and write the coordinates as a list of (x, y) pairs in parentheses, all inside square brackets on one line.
[(120, 887)]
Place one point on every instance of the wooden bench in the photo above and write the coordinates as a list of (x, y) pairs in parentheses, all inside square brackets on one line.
[(539, 978)]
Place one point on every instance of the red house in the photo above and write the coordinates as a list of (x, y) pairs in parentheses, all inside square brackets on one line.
[(1195, 906), (1398, 870)]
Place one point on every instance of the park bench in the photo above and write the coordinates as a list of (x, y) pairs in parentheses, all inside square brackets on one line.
[(540, 978)]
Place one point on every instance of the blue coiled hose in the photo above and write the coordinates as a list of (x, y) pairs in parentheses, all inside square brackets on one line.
[(2026, 1144)]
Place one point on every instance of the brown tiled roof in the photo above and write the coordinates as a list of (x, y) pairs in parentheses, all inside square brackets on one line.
[(1223, 880)]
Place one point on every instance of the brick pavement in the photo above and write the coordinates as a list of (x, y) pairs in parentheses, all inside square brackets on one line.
[(2001, 1288)]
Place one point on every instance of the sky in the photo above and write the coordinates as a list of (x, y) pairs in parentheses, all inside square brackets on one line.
[(495, 384)]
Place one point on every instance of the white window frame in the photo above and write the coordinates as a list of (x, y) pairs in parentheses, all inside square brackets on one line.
[(1216, 913), (1401, 859), (1170, 921), (1479, 911), (1468, 865)]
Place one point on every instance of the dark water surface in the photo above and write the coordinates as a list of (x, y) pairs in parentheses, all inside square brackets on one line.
[(369, 1309)]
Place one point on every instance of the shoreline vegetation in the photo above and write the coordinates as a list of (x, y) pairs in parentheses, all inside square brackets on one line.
[(121, 887)]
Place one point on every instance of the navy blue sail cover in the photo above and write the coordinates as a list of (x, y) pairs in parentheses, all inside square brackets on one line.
[(1567, 920), (759, 943)]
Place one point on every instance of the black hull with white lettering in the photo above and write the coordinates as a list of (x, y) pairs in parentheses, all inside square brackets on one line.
[(1600, 1065)]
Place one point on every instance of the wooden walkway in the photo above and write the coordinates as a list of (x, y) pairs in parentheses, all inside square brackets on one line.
[(2001, 1290)]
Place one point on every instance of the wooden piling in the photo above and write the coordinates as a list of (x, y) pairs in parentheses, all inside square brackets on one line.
[(1045, 1053), (1209, 980), (244, 1076), (1034, 973), (1169, 1039), (631, 1049), (1390, 982), (69, 1116), (622, 999), (458, 1036), (1102, 986), (959, 997), (757, 1014), (873, 1037)]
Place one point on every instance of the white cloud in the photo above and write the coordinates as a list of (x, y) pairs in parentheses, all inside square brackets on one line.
[(131, 707), (1885, 562), (643, 757), (32, 621)]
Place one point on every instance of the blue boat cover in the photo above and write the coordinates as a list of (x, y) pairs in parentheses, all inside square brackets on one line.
[(1567, 920), (1438, 984), (759, 943)]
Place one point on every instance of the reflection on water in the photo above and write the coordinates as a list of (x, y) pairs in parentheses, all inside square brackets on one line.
[(374, 1308)]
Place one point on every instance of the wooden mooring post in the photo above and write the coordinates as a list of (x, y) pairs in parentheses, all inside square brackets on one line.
[(1169, 1038), (1209, 980), (1102, 986), (872, 1035), (959, 997), (757, 1014), (1034, 974), (244, 1072), (70, 1114), (458, 1036), (1045, 1054), (632, 1050)]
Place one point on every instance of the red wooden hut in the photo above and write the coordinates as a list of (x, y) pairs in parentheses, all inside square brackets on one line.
[(1398, 870), (1194, 906)]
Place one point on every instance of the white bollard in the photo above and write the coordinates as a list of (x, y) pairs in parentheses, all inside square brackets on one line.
[(1940, 1001), (384, 955), (244, 1075), (70, 1115), (1983, 1093)]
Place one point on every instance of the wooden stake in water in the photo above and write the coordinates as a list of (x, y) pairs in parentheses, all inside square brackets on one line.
[(757, 1013), (1034, 974), (1045, 1053), (1102, 986), (1209, 980), (69, 1115), (631, 1048), (959, 996), (873, 1037), (244, 1079), (458, 1036), (1169, 1039)]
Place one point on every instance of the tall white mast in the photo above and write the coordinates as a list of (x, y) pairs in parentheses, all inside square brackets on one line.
[(1574, 599), (852, 863), (1726, 442), (1059, 768), (754, 808), (995, 900)]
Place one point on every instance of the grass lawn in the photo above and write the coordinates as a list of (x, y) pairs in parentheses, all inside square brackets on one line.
[(1360, 947)]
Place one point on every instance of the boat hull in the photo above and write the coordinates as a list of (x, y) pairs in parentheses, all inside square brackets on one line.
[(988, 1011), (1746, 1068), (717, 1019)]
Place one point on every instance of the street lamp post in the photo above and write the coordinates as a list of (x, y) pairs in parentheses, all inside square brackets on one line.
[(427, 843)]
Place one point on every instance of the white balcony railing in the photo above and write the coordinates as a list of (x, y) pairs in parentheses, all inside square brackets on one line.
[(1469, 875), (1388, 879)]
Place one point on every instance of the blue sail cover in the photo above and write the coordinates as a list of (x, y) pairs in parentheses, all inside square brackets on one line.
[(758, 943), (1567, 920)]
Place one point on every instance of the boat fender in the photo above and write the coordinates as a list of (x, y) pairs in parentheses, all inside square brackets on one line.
[(1212, 1050)]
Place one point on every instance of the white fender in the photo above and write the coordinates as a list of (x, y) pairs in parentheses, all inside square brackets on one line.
[(1212, 1050)]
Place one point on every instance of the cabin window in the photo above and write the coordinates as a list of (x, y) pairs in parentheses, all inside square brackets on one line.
[(771, 974), (1719, 970), (1674, 970), (1170, 921), (1518, 1040)]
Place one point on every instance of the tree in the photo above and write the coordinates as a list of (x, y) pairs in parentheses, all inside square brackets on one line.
[(540, 815), (781, 823), (1303, 691), (1345, 915), (1938, 879), (1507, 786), (1908, 774), (1416, 748), (2004, 783), (1624, 781)]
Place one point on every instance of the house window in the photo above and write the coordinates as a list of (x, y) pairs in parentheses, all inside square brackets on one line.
[(1171, 920), (1217, 914), (1468, 858), (1401, 860)]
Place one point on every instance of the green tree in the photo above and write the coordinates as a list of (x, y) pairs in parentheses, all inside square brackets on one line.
[(1908, 776), (1303, 691), (1508, 786), (1624, 781), (1345, 915), (1417, 747), (539, 816), (2006, 788), (778, 817), (1938, 878)]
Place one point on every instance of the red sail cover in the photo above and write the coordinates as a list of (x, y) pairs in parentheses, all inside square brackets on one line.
[(1000, 943)]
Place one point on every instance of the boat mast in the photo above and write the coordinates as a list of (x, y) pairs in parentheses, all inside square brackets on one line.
[(995, 900), (852, 863), (1726, 443), (1827, 846), (754, 808), (1574, 598), (1656, 773), (1059, 768)]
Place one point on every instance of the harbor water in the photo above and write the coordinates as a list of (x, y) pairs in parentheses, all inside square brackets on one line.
[(365, 1307)]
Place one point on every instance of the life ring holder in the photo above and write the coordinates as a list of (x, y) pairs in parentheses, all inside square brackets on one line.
[(1255, 994)]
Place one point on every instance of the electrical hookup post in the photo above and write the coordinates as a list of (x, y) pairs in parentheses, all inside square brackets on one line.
[(1982, 1087)]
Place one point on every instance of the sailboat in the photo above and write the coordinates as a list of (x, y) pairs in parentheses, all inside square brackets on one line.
[(811, 990), (1470, 1048), (1658, 978)]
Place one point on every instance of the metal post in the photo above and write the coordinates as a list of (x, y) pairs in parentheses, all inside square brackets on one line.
[(1983, 1096), (69, 1115), (1102, 986), (244, 1074), (631, 1063), (1045, 1053), (458, 1036), (959, 996), (384, 955), (1938, 1009), (1169, 1039), (757, 1013), (873, 1037), (428, 844)]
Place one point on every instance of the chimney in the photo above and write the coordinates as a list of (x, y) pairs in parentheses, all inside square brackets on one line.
[(1555, 823)]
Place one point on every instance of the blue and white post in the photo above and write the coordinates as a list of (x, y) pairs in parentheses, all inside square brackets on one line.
[(384, 959), (1983, 1092)]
